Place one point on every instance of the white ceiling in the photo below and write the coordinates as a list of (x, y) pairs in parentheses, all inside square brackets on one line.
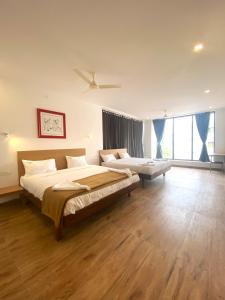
[(144, 45)]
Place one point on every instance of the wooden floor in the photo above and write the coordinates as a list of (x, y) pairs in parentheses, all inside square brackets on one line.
[(166, 241)]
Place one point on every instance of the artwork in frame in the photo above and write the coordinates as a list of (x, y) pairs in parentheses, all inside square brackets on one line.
[(51, 124)]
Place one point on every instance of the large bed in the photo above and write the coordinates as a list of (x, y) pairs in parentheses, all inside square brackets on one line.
[(78, 206), (146, 168)]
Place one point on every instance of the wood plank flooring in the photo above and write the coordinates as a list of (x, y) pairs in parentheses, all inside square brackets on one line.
[(166, 241)]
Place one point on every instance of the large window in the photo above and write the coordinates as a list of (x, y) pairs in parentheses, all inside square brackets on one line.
[(181, 139), (167, 141)]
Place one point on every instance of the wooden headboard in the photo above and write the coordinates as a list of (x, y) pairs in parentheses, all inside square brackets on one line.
[(115, 152), (58, 154)]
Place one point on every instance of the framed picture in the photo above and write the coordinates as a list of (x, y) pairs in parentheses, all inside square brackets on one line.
[(51, 124)]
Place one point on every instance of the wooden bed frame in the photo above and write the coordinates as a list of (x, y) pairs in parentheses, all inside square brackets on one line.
[(60, 156), (142, 176)]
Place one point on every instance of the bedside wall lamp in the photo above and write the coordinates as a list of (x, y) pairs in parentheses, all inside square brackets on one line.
[(89, 136), (4, 134)]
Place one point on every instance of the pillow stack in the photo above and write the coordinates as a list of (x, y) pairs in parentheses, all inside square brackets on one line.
[(34, 167), (108, 157), (76, 161), (124, 155)]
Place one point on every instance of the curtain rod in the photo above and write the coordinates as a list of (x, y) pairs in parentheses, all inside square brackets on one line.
[(185, 115), (120, 115)]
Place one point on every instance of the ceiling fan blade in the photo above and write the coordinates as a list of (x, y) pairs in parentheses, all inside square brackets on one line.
[(81, 75), (109, 86), (92, 73)]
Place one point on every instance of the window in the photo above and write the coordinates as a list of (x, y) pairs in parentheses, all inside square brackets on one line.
[(167, 141), (210, 143), (197, 142), (181, 139)]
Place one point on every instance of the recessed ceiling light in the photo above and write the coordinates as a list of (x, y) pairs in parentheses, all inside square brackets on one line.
[(198, 47), (207, 91)]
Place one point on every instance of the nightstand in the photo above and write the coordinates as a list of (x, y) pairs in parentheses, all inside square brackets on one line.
[(10, 190)]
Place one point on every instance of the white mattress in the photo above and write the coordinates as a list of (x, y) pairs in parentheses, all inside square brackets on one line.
[(37, 184), (136, 164)]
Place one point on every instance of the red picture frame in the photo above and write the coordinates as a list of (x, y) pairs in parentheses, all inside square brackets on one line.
[(51, 124)]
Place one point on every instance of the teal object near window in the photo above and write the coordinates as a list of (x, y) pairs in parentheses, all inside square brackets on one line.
[(202, 121), (159, 125)]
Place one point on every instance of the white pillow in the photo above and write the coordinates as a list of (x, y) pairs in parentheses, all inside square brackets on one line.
[(108, 157), (33, 167), (124, 155), (76, 161)]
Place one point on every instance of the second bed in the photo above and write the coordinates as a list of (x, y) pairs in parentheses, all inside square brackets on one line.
[(146, 168)]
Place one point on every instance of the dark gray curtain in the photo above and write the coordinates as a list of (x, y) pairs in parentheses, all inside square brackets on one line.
[(202, 121), (122, 132), (159, 126)]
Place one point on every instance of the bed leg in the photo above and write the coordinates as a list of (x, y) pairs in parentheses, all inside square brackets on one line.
[(23, 199), (58, 233), (164, 174), (129, 194), (143, 182)]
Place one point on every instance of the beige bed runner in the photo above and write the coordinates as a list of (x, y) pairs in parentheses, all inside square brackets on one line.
[(54, 201)]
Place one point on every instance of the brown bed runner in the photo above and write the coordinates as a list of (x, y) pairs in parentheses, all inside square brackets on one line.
[(54, 201)]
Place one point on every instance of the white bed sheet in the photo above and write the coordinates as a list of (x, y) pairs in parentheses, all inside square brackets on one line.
[(136, 164), (37, 184)]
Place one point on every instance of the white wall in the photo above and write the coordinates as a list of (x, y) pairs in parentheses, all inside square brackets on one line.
[(147, 138), (18, 117), (220, 131)]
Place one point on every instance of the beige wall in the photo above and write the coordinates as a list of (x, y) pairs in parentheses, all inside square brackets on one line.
[(18, 117)]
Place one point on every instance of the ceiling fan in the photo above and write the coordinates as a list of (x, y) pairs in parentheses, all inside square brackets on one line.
[(93, 84), (165, 114)]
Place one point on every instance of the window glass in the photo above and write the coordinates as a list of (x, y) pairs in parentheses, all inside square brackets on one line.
[(154, 142), (211, 139), (187, 142), (183, 138), (167, 141), (197, 142)]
